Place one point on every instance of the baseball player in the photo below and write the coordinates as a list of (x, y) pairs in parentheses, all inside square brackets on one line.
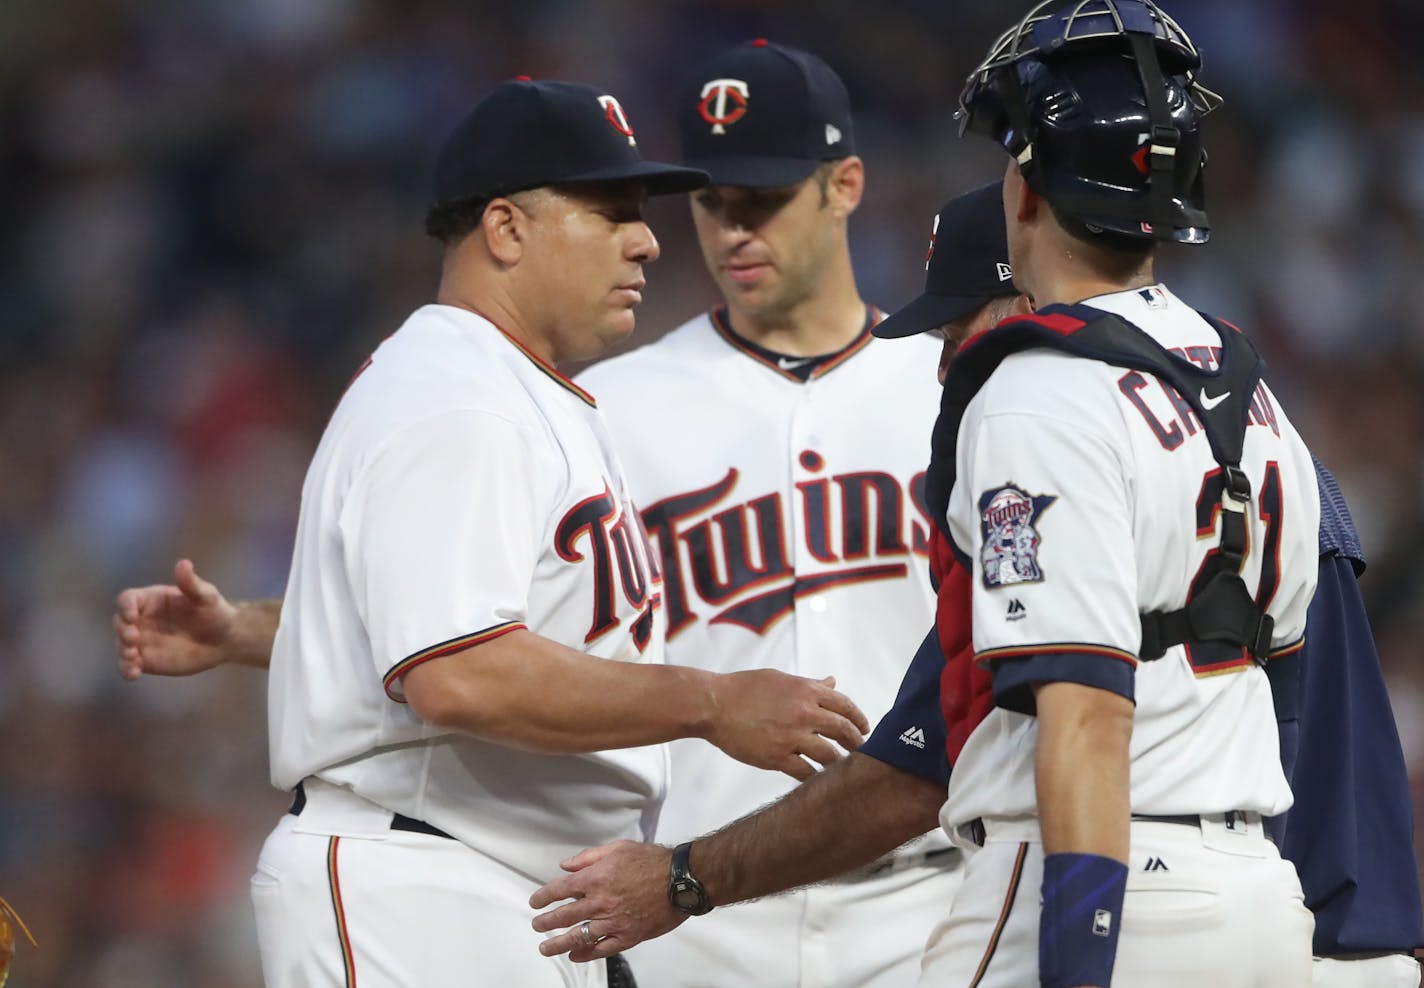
[(1138, 521), (782, 492), (467, 678)]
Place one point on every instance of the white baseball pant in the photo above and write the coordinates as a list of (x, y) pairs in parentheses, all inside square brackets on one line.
[(866, 932), (342, 901), (1206, 904)]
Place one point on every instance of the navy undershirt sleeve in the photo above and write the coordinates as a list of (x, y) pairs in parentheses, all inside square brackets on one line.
[(911, 737)]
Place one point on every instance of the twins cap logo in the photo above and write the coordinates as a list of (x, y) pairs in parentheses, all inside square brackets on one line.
[(614, 111), (1007, 516), (715, 98), (934, 232)]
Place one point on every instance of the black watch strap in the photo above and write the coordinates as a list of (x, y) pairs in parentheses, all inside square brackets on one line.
[(685, 892)]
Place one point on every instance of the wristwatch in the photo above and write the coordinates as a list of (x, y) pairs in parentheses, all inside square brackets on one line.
[(685, 892)]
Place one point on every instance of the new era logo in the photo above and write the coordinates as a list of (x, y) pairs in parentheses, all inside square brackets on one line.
[(1006, 273), (833, 134), (913, 737)]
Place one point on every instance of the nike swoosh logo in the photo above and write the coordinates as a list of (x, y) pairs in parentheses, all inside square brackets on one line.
[(1210, 403), (785, 364)]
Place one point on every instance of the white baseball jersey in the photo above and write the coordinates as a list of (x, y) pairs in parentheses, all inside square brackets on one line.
[(462, 489), (790, 521), (1086, 494)]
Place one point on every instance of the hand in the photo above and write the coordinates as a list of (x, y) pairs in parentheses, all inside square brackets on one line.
[(769, 719), (172, 630), (620, 889)]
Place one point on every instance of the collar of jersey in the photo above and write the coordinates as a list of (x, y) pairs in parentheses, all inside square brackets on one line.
[(723, 325), (547, 368)]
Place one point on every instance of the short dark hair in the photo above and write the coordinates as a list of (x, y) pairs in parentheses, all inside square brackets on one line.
[(453, 221), (1131, 250)]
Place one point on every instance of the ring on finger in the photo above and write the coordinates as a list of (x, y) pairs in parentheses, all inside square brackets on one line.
[(586, 934)]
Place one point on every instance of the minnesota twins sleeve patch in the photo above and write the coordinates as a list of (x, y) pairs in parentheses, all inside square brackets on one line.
[(1008, 519)]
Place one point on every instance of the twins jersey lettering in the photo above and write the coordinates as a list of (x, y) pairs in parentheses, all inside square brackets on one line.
[(790, 522), (463, 489), (1085, 495)]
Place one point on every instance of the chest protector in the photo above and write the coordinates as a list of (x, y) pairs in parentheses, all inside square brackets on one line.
[(1220, 608)]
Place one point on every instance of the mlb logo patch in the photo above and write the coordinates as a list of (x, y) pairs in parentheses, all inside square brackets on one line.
[(1008, 518), (1102, 923), (1155, 297)]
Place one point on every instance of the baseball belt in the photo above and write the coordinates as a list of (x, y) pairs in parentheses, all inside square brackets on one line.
[(937, 857), (974, 829), (399, 821)]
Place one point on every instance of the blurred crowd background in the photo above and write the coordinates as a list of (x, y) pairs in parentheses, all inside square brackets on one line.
[(210, 212)]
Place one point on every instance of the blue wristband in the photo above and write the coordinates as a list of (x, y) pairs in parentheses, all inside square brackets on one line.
[(1079, 922)]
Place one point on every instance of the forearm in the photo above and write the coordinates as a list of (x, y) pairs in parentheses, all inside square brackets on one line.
[(526, 691), (1082, 770), (843, 818), (254, 627)]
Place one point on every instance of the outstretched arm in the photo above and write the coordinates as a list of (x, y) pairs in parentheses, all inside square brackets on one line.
[(188, 627), (526, 691), (845, 817)]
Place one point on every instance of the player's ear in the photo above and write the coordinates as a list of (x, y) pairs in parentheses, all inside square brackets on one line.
[(504, 227), (845, 186), (1020, 201)]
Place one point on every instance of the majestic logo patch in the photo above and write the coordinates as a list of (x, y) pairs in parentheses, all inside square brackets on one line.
[(914, 737), (724, 102), (614, 111), (1007, 516)]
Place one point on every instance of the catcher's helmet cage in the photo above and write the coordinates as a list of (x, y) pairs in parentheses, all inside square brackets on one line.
[(1098, 100)]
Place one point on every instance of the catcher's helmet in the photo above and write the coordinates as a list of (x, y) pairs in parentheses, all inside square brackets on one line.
[(1099, 102)]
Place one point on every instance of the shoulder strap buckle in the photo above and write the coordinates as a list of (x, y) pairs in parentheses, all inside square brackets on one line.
[(1235, 499), (1237, 493)]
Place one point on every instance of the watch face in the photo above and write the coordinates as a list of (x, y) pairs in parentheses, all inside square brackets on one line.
[(689, 898)]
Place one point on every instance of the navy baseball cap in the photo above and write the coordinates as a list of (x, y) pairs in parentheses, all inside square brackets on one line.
[(764, 116), (527, 134), (967, 265)]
